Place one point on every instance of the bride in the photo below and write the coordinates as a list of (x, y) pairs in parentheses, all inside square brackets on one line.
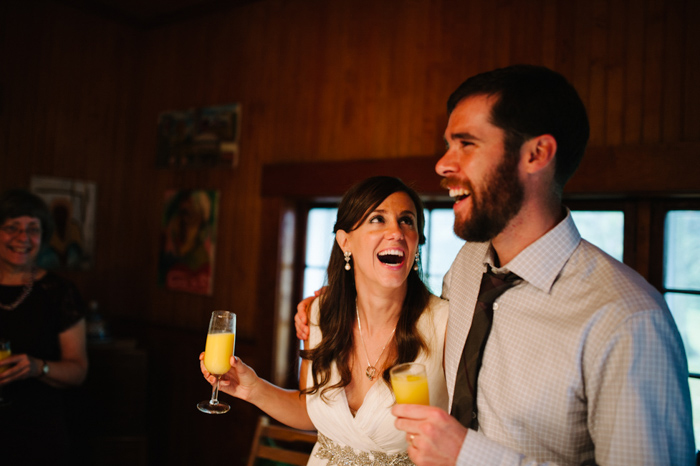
[(375, 313)]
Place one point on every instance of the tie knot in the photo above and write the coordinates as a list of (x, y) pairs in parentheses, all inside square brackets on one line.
[(506, 277), (494, 284)]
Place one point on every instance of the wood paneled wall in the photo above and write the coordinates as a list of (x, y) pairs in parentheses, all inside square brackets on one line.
[(318, 81)]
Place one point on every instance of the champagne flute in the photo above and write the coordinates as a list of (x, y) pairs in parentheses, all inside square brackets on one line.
[(5, 352), (221, 339), (410, 383)]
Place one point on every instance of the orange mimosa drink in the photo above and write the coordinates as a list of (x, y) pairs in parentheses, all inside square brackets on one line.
[(410, 384), (4, 353), (221, 338), (218, 352)]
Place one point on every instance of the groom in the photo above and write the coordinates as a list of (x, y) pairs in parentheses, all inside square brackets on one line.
[(584, 363)]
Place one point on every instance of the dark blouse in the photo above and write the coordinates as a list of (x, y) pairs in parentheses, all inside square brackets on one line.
[(35, 414), (53, 306)]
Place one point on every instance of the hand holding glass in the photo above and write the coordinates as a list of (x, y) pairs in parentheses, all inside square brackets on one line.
[(5, 352), (221, 339), (410, 384)]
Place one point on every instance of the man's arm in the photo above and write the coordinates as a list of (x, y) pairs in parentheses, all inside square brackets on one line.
[(638, 396)]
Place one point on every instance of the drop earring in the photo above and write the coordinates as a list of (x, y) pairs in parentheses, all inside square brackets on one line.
[(415, 263), (347, 255)]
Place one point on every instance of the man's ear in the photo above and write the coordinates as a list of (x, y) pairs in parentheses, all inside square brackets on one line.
[(539, 152), (342, 239)]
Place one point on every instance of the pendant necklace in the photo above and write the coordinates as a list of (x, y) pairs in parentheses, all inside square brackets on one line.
[(27, 289), (371, 371)]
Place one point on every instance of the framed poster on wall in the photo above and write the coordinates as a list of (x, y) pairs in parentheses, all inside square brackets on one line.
[(188, 241), (72, 205), (206, 137)]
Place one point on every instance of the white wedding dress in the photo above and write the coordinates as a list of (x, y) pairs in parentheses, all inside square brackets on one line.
[(370, 437)]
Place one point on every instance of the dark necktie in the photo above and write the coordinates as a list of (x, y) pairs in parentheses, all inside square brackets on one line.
[(464, 400)]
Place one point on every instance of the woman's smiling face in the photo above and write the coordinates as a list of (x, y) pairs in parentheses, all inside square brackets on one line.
[(384, 245), (20, 241)]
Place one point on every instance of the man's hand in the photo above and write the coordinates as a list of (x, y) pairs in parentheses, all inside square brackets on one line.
[(434, 437), (301, 318)]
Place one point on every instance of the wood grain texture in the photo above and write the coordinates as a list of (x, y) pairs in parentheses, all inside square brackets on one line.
[(350, 81)]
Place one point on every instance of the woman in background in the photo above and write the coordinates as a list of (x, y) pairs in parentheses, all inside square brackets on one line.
[(42, 316), (376, 313)]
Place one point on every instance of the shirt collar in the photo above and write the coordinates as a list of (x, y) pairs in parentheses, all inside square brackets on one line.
[(541, 262)]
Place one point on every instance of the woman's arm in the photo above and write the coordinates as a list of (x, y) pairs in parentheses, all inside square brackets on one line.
[(69, 371)]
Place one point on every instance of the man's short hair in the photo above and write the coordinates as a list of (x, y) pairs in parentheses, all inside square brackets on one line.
[(532, 101)]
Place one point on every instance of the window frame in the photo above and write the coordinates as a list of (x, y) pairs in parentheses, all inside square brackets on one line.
[(639, 233), (303, 208), (658, 233), (627, 206)]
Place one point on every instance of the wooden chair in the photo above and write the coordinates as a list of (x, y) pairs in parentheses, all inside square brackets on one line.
[(280, 443)]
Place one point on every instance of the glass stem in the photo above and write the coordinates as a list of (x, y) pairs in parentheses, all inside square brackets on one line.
[(215, 392)]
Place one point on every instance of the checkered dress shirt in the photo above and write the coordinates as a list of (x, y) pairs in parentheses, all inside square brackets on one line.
[(584, 361)]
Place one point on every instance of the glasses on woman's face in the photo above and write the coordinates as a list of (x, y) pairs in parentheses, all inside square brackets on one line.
[(32, 231)]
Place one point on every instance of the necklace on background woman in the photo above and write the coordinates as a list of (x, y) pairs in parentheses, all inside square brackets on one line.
[(25, 292), (371, 371)]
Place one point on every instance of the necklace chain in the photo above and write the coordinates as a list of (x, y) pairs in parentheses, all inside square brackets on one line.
[(25, 292), (371, 371)]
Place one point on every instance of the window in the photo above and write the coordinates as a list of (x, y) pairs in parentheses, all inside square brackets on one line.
[(605, 229), (440, 248), (681, 289), (319, 241)]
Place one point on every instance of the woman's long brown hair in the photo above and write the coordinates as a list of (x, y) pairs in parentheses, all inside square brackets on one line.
[(338, 303)]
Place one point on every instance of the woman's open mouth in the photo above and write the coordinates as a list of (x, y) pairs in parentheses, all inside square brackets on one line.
[(391, 256)]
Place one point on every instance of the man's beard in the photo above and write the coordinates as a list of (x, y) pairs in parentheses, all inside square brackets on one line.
[(495, 206)]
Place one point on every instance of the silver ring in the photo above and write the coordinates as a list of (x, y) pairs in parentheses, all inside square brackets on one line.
[(410, 439)]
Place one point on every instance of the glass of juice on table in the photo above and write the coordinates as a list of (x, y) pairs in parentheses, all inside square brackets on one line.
[(221, 339), (410, 384)]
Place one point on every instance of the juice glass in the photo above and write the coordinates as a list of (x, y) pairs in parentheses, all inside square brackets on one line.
[(410, 383), (5, 352), (221, 339)]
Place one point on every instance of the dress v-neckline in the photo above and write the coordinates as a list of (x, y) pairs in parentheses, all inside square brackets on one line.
[(364, 400)]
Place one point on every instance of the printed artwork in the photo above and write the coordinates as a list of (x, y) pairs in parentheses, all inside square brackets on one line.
[(188, 241), (72, 206), (206, 137)]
